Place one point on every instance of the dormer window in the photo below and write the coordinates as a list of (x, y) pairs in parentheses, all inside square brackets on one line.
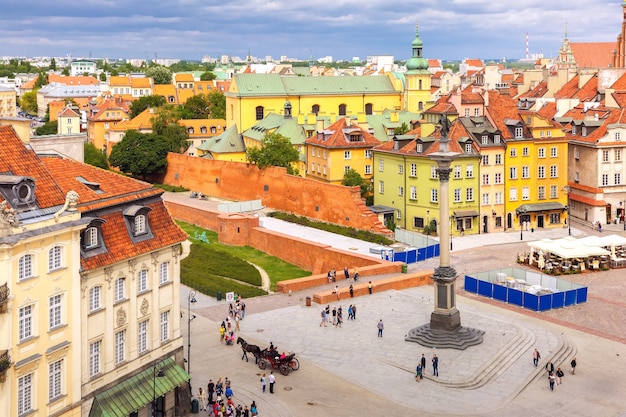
[(91, 237), (484, 139), (468, 148), (190, 130), (496, 139), (92, 242), (137, 223), (19, 191), (519, 132), (419, 148), (203, 129)]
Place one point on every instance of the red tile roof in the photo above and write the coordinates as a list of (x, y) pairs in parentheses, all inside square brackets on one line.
[(620, 84), (469, 96), (502, 107), (568, 90), (443, 106), (72, 80), (593, 54), (539, 91), (608, 116), (337, 136), (547, 111), (474, 62)]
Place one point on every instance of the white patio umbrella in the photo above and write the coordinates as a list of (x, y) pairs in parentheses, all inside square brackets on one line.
[(530, 258), (542, 262), (613, 250)]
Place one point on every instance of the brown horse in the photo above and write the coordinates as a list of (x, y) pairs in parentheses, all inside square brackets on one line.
[(245, 347)]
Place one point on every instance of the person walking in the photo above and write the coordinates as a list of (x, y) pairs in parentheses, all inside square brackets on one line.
[(201, 399), (253, 410), (380, 326), (551, 380), (353, 311), (237, 321), (350, 312), (550, 367), (346, 273), (339, 317), (559, 375), (334, 316), (435, 365), (369, 287), (323, 322), (272, 380), (536, 357), (263, 383), (351, 291), (423, 362), (418, 373), (210, 390), (573, 364)]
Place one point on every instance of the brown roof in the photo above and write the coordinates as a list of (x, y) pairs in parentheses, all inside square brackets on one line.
[(539, 91), (501, 108), (620, 84), (443, 106), (585, 93), (606, 115), (337, 136), (547, 111), (593, 54), (468, 96)]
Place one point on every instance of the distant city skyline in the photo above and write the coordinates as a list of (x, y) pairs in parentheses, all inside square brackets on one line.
[(191, 29)]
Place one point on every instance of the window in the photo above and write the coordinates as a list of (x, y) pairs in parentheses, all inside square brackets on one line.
[(54, 258), (497, 178), (468, 148), (312, 151), (457, 195), (165, 326), (368, 153), (381, 187), (525, 193), (55, 370), (525, 151), (525, 172), (24, 394), (485, 199), (477, 111), (541, 152), (400, 168), (413, 190), (419, 148), (467, 112), (25, 267), (381, 165), (457, 171), (369, 108), (368, 169), (413, 170), (553, 191), (142, 336), (418, 222), (259, 113), (119, 289), (55, 311), (513, 194), (513, 152), (617, 155), (91, 237), (498, 197), (400, 191), (398, 214), (576, 153), (496, 139), (485, 179), (541, 192), (140, 224), (541, 172), (315, 109), (25, 323), (469, 171), (433, 172), (485, 159), (347, 154), (618, 136), (555, 218), (164, 273), (94, 298), (434, 195), (519, 132), (142, 281), (605, 179), (605, 156), (119, 347), (94, 358), (553, 152), (513, 173), (618, 178), (342, 110), (498, 159), (549, 133), (554, 171), (469, 194)]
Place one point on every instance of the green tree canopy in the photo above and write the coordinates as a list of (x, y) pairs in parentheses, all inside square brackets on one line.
[(50, 128), (144, 102), (402, 129), (161, 75), (103, 76), (95, 157), (53, 64), (352, 178), (140, 154), (275, 150), (165, 124), (28, 102), (196, 107), (207, 76), (217, 105)]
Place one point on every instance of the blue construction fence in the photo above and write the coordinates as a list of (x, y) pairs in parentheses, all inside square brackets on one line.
[(410, 255), (521, 288)]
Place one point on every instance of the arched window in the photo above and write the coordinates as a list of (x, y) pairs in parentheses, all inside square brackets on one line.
[(315, 109), (25, 267), (171, 99), (259, 112), (368, 108), (342, 110), (419, 85), (54, 258), (190, 130), (213, 129), (420, 106), (203, 129)]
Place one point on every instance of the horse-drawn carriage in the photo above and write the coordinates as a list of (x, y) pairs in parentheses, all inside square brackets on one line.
[(269, 357)]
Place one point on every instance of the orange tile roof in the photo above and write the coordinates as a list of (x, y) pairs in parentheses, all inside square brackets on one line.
[(587, 200), (502, 107), (141, 82), (474, 62), (569, 89), (608, 116), (539, 91), (119, 80), (30, 84), (443, 106), (72, 80), (593, 54), (547, 111), (338, 137), (620, 98), (68, 112), (620, 84), (468, 96), (434, 63), (143, 121), (430, 146), (439, 74), (184, 77)]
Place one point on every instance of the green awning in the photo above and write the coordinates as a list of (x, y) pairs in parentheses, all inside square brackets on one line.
[(526, 208), (465, 213), (136, 392)]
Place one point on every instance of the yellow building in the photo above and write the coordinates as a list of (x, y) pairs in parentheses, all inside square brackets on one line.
[(68, 121), (417, 94), (342, 146), (8, 106), (141, 123), (104, 115), (201, 131), (228, 146)]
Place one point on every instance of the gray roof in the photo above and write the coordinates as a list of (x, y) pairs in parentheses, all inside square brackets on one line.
[(60, 90), (228, 142), (288, 127)]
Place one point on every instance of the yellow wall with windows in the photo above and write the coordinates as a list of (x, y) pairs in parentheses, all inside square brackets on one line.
[(329, 165)]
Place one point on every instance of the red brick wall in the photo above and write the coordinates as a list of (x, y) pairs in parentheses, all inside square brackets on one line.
[(275, 188)]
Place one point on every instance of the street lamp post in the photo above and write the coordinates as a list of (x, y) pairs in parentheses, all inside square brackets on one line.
[(191, 298), (567, 190), (521, 223), (156, 372)]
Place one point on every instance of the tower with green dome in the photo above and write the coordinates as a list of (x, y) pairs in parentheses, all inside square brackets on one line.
[(417, 97)]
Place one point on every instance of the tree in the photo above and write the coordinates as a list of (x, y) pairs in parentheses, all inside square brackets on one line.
[(352, 178), (196, 107), (66, 71), (50, 128), (217, 105), (165, 125), (161, 75), (53, 64), (207, 76), (140, 154), (28, 102), (95, 157), (275, 150), (401, 130), (103, 76), (144, 102)]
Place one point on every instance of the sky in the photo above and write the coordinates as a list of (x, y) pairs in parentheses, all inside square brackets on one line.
[(343, 29)]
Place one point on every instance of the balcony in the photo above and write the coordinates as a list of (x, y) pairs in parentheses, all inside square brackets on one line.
[(5, 364), (4, 297)]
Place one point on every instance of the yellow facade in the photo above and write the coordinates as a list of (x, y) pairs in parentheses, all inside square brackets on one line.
[(8, 106), (492, 189)]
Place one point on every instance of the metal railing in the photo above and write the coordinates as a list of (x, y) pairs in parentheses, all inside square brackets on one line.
[(5, 361), (4, 293)]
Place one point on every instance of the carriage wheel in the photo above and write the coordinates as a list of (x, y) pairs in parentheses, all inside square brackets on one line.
[(263, 364), (284, 369), (294, 364)]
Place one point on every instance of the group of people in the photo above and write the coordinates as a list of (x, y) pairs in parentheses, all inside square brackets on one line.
[(236, 313), (554, 376), (218, 400), (337, 316), (421, 367)]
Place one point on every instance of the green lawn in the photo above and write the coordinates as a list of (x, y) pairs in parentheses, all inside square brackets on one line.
[(215, 262)]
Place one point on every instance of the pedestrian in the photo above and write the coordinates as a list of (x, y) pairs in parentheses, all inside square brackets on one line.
[(334, 316), (369, 287), (351, 291), (551, 380), (253, 410), (229, 392), (435, 365), (222, 332), (549, 367), (350, 312), (536, 357), (271, 380), (243, 310), (210, 390), (201, 399), (237, 321), (263, 383), (353, 311), (334, 275), (380, 326), (323, 322), (238, 410), (418, 373), (346, 273), (339, 317), (573, 364), (336, 291), (219, 386), (246, 412), (423, 361), (559, 375), (330, 276)]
